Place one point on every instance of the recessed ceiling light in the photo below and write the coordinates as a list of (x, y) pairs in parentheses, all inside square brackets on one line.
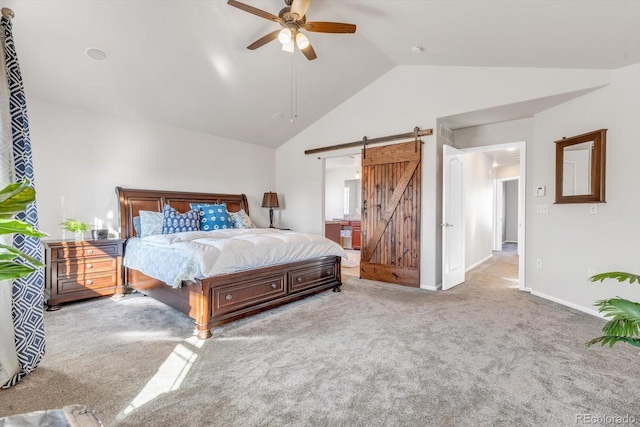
[(417, 49), (278, 116), (96, 53)]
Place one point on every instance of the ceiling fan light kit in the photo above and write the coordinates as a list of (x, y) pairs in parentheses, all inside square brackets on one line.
[(292, 19), (284, 36)]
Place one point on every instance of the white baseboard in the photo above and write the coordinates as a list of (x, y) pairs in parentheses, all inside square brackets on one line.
[(478, 263), (568, 304), (430, 288)]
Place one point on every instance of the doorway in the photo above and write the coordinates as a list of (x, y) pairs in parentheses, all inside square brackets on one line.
[(479, 239), (342, 207)]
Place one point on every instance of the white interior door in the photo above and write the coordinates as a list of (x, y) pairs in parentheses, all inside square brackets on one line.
[(453, 249)]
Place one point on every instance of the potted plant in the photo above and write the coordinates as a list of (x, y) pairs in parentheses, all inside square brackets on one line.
[(75, 226), (14, 198), (624, 323)]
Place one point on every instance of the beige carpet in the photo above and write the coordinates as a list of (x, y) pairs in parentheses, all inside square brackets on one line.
[(482, 353), (353, 258)]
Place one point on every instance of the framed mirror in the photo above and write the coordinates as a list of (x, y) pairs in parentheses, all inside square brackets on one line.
[(580, 168)]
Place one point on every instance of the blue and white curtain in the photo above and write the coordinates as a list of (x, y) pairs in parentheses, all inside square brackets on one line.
[(19, 358)]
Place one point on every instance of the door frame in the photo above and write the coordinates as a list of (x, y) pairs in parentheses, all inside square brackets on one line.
[(522, 146)]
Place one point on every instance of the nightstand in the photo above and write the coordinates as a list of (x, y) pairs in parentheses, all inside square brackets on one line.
[(77, 270)]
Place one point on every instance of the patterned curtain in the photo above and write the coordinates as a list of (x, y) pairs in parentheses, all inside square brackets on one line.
[(28, 292)]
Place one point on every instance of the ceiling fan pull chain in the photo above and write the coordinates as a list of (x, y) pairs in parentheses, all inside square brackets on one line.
[(294, 90)]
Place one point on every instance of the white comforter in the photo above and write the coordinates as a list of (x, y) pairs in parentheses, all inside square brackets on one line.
[(173, 258)]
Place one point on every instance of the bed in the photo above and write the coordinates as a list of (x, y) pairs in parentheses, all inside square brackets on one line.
[(221, 298)]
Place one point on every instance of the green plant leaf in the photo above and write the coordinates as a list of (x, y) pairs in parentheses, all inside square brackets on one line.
[(617, 275), (15, 197), (75, 225), (19, 253), (10, 226), (612, 340), (5, 256), (11, 270)]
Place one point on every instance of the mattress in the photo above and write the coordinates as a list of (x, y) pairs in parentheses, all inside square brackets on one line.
[(174, 258)]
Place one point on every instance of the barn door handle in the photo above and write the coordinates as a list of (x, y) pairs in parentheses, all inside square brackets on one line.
[(364, 206)]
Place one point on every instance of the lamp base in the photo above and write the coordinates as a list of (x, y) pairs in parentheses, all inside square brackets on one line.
[(271, 218)]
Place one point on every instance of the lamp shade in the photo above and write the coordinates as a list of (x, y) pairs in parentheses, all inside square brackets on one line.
[(270, 200)]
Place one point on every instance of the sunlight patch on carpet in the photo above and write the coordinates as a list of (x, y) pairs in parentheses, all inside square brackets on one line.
[(168, 378)]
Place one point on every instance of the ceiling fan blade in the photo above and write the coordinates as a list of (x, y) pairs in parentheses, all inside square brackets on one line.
[(255, 11), (329, 27), (264, 40), (299, 7), (309, 52)]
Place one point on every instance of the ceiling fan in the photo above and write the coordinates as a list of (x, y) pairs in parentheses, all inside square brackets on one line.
[(292, 18)]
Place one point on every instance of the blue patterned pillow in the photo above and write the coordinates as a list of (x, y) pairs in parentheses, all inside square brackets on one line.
[(213, 217), (176, 222)]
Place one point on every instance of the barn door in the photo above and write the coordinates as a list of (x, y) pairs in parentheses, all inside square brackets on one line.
[(391, 214)]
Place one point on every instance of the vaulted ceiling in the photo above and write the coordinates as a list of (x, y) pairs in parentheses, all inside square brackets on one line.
[(185, 62)]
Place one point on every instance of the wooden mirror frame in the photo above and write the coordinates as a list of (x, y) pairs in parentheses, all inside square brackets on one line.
[(599, 138)]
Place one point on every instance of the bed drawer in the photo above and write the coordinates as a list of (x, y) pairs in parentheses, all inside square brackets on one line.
[(84, 266), (310, 277), (246, 294)]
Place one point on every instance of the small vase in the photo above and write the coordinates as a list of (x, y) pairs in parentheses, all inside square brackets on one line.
[(79, 236)]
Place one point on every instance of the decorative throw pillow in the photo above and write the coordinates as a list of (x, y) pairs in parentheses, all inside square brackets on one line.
[(176, 222), (240, 219), (136, 225), (150, 223), (213, 217)]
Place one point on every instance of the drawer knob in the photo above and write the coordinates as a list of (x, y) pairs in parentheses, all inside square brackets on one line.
[(273, 286), (298, 279), (90, 251), (229, 297), (89, 265), (89, 282)]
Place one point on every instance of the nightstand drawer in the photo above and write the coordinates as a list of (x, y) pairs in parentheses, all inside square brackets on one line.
[(311, 277), (231, 298), (86, 251), (89, 281), (74, 268)]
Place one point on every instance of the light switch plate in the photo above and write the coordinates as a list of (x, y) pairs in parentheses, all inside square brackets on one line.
[(540, 190)]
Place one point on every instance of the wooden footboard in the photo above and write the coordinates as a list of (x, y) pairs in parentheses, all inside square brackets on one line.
[(221, 299)]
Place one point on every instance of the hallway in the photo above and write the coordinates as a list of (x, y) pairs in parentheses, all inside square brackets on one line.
[(501, 271)]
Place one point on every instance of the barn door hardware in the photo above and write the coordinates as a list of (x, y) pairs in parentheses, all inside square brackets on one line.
[(415, 134)]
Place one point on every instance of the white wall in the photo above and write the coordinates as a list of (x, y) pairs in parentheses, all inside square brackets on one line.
[(495, 133), (334, 190), (510, 171), (569, 240), (406, 97), (81, 156), (478, 208), (511, 210)]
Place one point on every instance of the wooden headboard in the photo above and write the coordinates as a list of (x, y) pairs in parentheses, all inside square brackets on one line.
[(131, 201)]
